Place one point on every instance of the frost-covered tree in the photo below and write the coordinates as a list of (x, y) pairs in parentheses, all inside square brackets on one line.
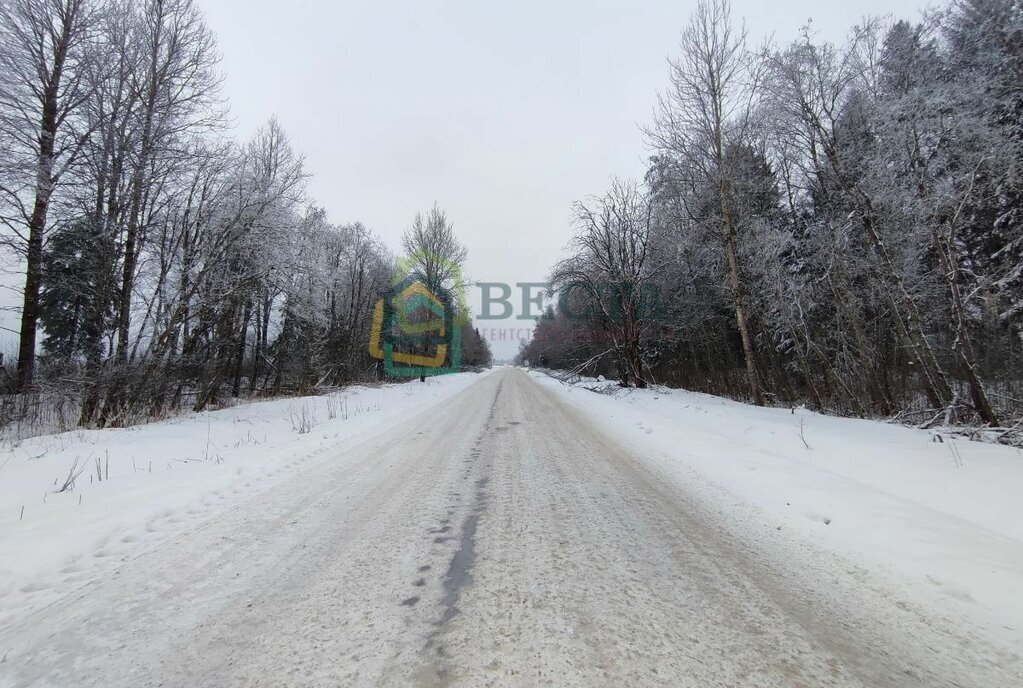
[(436, 253), (47, 51), (874, 213), (709, 111), (613, 270)]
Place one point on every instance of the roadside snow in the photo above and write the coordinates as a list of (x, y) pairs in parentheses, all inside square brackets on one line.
[(161, 478), (940, 518)]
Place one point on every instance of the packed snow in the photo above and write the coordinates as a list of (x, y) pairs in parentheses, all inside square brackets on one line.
[(939, 516), (73, 506)]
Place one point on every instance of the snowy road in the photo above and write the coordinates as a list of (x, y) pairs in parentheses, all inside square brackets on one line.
[(497, 539)]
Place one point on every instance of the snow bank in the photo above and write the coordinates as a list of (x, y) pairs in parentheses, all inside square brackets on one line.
[(136, 487), (942, 518)]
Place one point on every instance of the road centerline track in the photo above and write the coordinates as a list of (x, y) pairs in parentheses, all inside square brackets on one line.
[(459, 568), (496, 539)]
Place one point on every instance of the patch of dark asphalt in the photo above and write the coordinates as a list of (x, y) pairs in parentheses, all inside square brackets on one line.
[(459, 575)]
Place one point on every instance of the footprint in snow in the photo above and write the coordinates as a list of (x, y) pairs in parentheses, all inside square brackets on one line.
[(826, 520)]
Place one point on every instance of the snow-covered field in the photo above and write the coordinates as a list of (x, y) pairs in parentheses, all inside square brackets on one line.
[(138, 486), (941, 518)]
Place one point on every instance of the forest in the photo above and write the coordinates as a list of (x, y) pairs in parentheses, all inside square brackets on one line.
[(838, 225), (166, 266)]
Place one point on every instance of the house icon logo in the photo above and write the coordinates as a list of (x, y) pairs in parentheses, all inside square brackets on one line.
[(416, 328)]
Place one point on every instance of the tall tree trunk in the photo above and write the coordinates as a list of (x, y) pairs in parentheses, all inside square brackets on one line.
[(962, 346), (632, 351), (131, 241), (33, 276), (257, 346), (740, 312), (43, 192), (240, 352)]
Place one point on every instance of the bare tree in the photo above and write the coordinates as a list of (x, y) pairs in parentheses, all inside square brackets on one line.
[(434, 249), (435, 255), (45, 47), (176, 88), (613, 267), (710, 110)]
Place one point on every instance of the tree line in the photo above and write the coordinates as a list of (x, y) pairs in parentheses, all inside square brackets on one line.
[(166, 265), (839, 224)]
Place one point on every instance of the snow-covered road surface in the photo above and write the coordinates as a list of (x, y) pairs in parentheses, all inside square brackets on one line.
[(499, 538)]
